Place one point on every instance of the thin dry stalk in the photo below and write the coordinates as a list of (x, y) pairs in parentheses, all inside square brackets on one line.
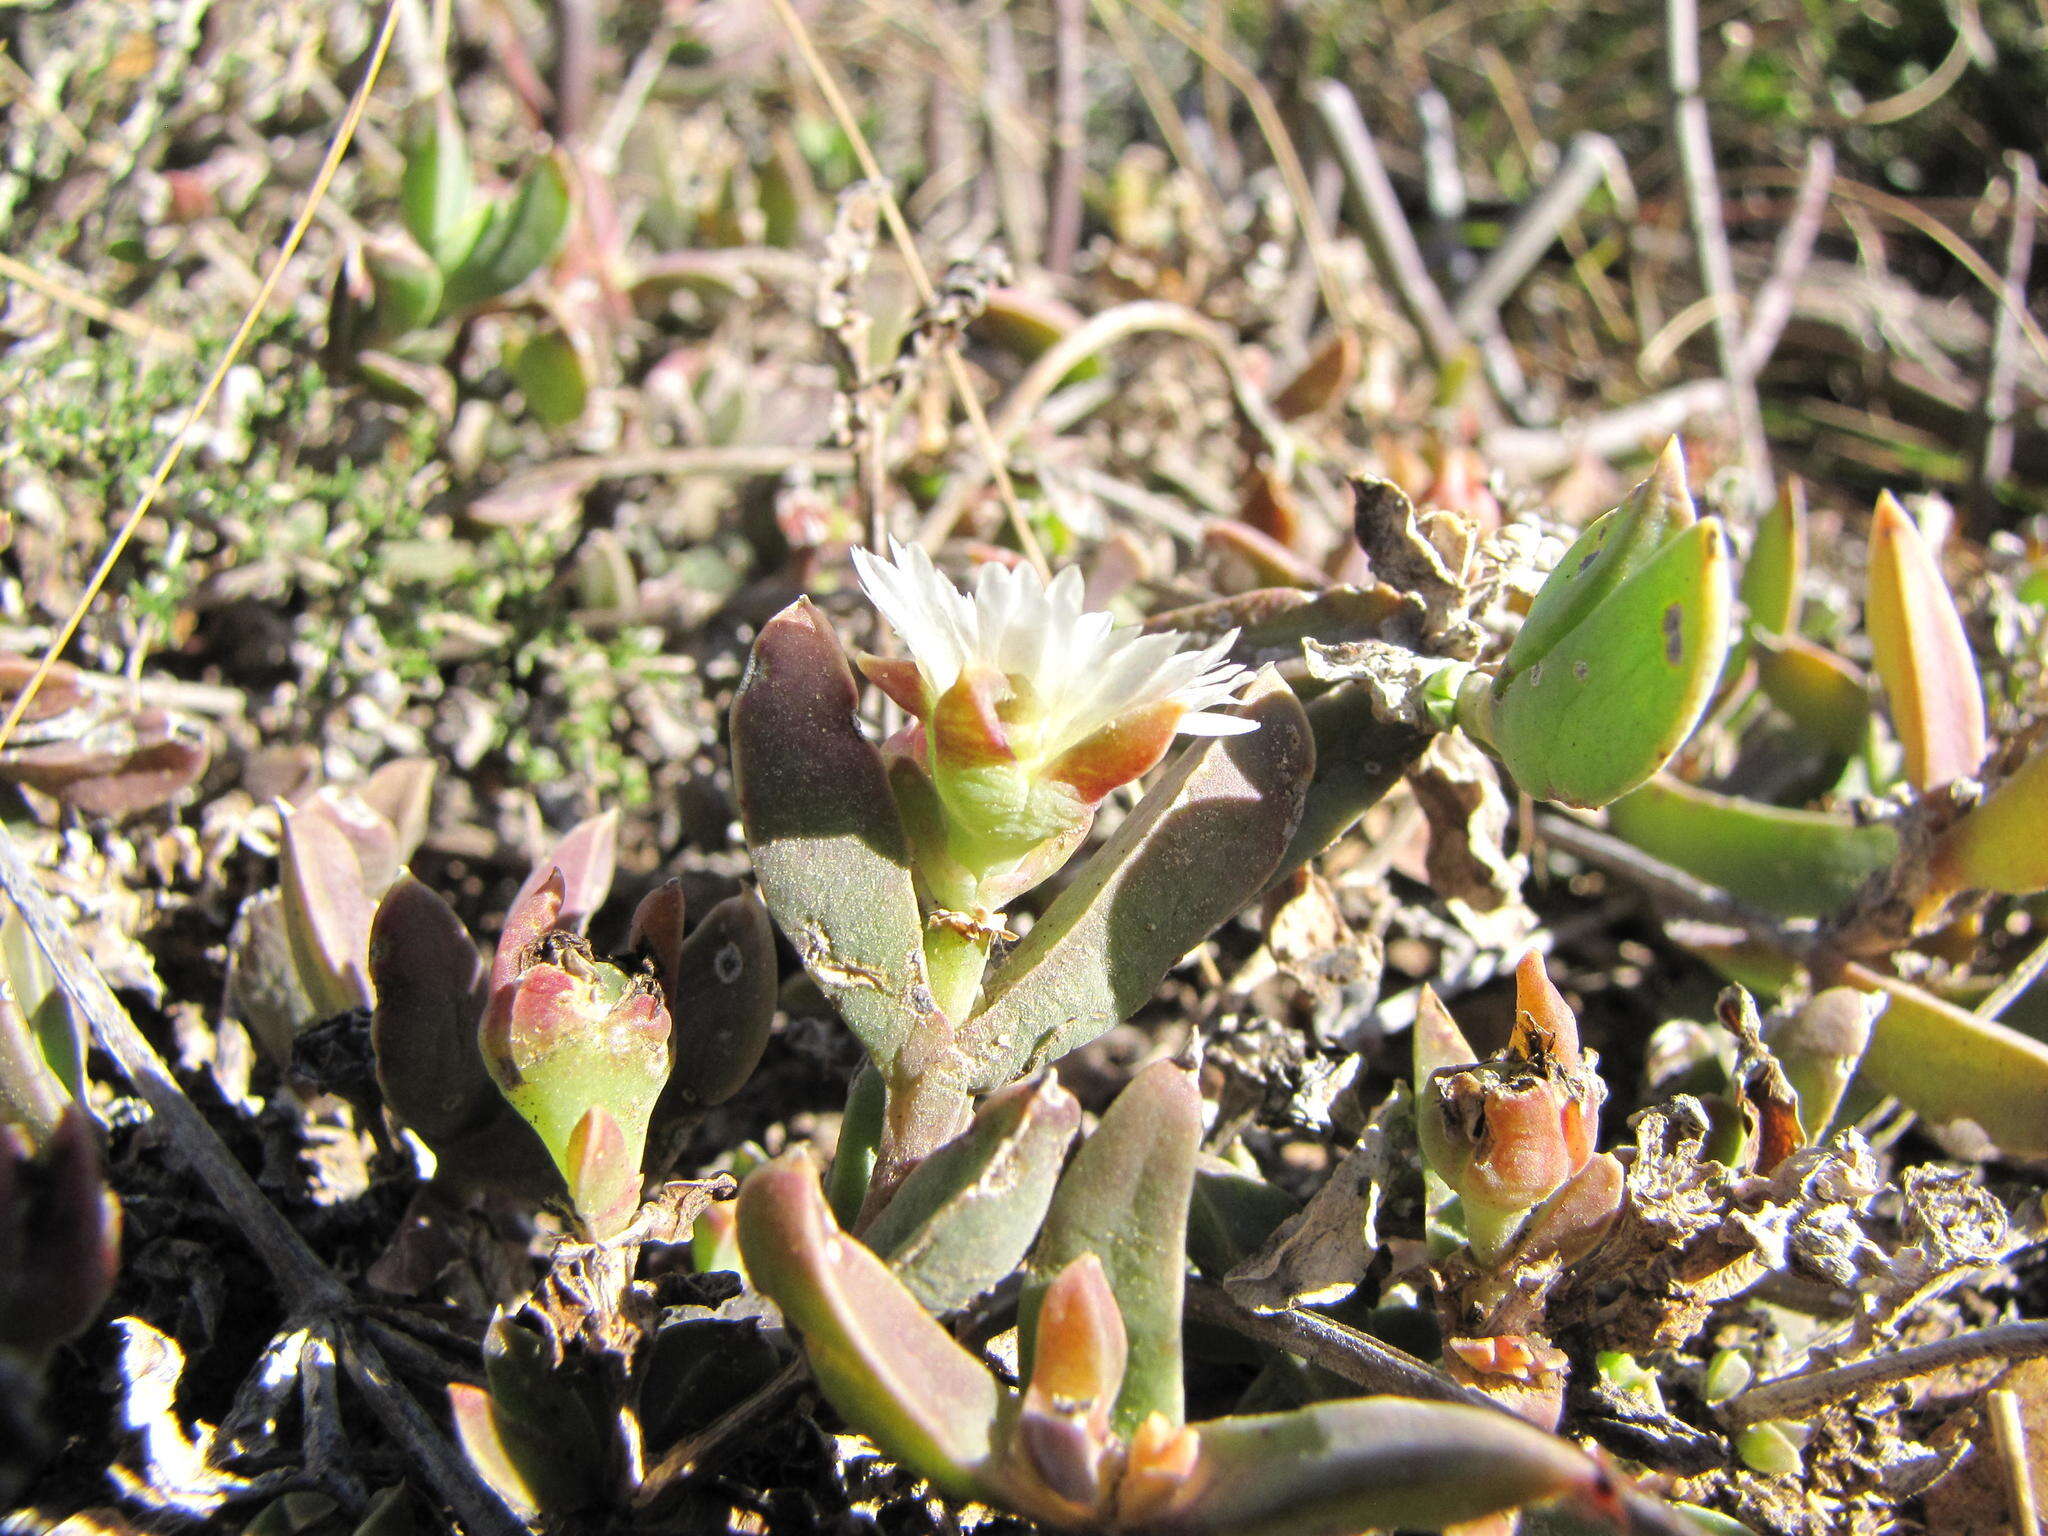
[(1773, 306), (899, 231), (1994, 456), (1386, 225), (1159, 103), (1695, 149), (1069, 137), (1794, 1397), (2009, 1434), (1591, 159), (1279, 144)]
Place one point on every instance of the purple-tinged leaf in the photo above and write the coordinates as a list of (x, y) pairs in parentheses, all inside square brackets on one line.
[(827, 842), (327, 912), (1124, 1199), (880, 1358)]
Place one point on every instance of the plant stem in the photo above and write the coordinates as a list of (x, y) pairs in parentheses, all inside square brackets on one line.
[(953, 965)]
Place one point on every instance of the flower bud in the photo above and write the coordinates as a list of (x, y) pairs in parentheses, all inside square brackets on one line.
[(1508, 1133), (581, 1050)]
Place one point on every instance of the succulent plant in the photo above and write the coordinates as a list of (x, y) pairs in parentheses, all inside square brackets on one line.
[(1095, 1440), (546, 1071), (1637, 611), (1508, 1135), (859, 853)]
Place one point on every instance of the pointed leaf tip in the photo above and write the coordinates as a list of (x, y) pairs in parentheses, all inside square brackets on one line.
[(1921, 653)]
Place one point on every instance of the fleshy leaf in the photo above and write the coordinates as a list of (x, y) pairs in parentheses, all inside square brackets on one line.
[(1124, 1198), (879, 1357), (587, 857), (1921, 653), (1375, 1463), (60, 1235), (1615, 548), (518, 238), (1777, 564), (1820, 1046), (1608, 702), (1947, 1065), (553, 370), (405, 290), (1825, 697), (966, 1215), (860, 1141), (430, 994), (1359, 758), (723, 1002), (1232, 1215), (438, 192), (1204, 840), (327, 911), (1786, 862), (2002, 843), (827, 842)]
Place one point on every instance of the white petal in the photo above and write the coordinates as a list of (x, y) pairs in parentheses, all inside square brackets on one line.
[(1200, 724)]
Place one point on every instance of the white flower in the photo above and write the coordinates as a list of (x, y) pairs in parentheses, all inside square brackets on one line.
[(1075, 672)]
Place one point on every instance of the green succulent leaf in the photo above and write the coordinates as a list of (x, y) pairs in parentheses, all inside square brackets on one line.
[(827, 842), (860, 1142), (1231, 1214), (879, 1357), (1777, 564), (532, 1436), (1825, 697), (1607, 702), (438, 192), (1359, 758), (553, 371), (405, 291), (1205, 840), (1786, 862), (2002, 843), (1948, 1065), (518, 238), (966, 1215), (1124, 1199), (1376, 1463), (1614, 548)]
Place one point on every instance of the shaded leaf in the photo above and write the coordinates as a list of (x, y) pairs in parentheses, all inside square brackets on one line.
[(967, 1214)]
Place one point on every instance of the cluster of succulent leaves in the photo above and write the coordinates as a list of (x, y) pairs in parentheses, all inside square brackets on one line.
[(399, 296), (552, 1073)]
